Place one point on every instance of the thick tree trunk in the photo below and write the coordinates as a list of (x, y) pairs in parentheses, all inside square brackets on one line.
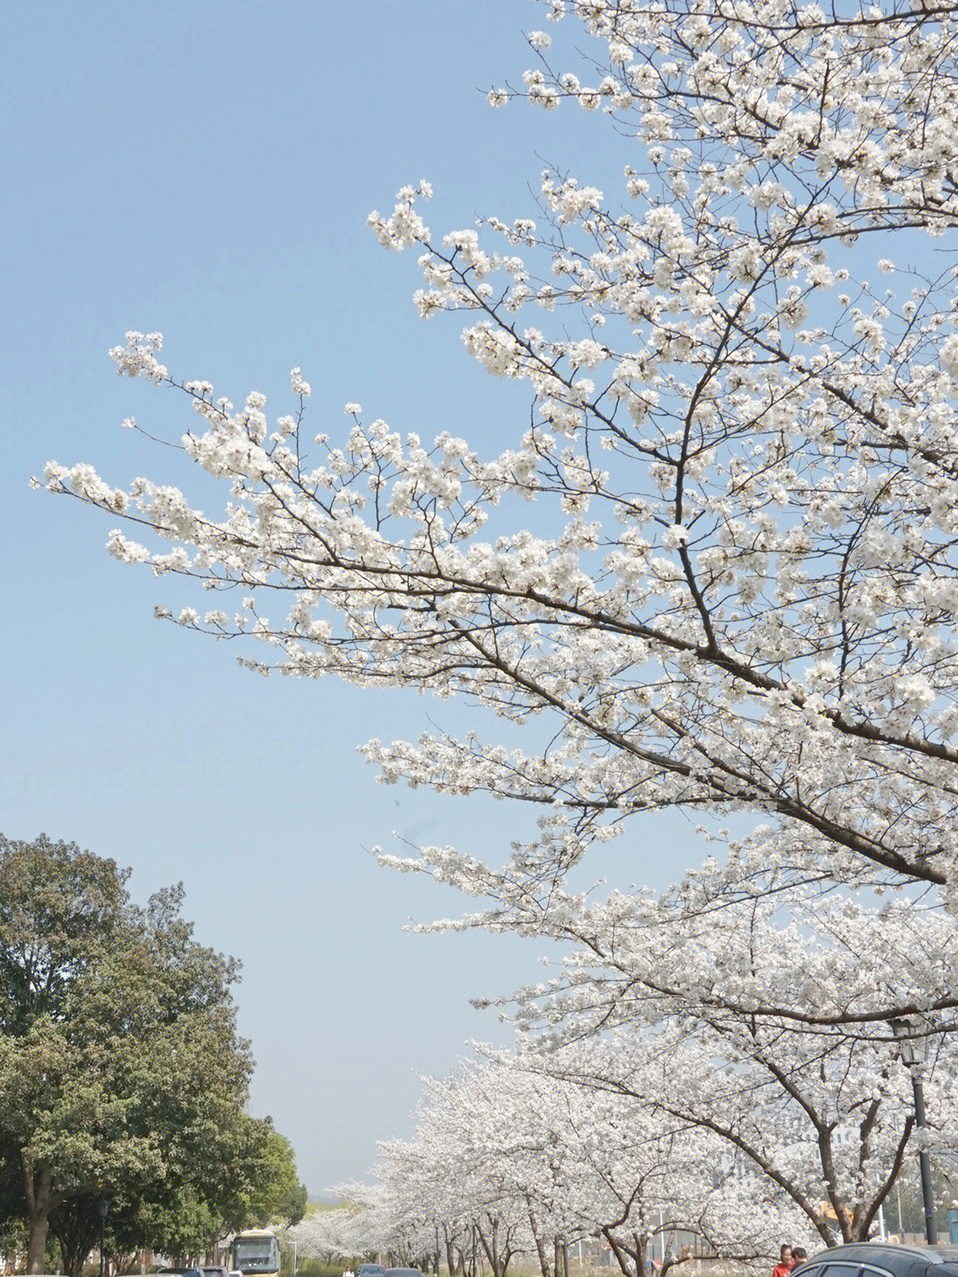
[(541, 1251), (641, 1255), (39, 1203), (36, 1247), (452, 1252), (623, 1256)]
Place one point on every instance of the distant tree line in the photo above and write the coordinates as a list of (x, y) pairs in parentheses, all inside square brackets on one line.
[(122, 1076)]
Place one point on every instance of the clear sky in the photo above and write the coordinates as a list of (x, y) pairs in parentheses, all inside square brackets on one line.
[(205, 168)]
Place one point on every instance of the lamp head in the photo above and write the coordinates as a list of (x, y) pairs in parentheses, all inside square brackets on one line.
[(912, 1041)]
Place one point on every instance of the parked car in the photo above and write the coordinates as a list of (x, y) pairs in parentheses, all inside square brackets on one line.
[(880, 1259), (370, 1270), (214, 1270)]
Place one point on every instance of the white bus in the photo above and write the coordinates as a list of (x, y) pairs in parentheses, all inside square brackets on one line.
[(255, 1251)]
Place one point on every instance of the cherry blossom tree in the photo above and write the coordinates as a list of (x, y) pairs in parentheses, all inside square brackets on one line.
[(465, 1176), (741, 367), (507, 1159), (774, 1011), (821, 1130), (328, 1235), (734, 940), (598, 1162), (393, 1215)]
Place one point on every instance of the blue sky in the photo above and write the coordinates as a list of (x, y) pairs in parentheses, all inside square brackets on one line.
[(205, 169)]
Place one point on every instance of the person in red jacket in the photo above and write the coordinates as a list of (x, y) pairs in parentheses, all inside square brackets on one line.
[(785, 1264)]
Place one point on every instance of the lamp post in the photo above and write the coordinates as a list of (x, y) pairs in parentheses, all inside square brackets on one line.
[(103, 1209), (913, 1048)]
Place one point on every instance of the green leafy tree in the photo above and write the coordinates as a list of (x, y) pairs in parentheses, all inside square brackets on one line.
[(176, 1219), (120, 1065), (253, 1183), (75, 1224), (274, 1193)]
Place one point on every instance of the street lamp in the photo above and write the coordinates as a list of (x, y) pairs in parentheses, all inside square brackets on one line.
[(913, 1048), (103, 1209)]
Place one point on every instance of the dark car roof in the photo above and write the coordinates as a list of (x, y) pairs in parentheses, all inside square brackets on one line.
[(900, 1261)]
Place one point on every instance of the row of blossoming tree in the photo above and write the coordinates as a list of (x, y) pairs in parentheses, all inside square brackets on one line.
[(737, 594), (692, 1113), (505, 1162)]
